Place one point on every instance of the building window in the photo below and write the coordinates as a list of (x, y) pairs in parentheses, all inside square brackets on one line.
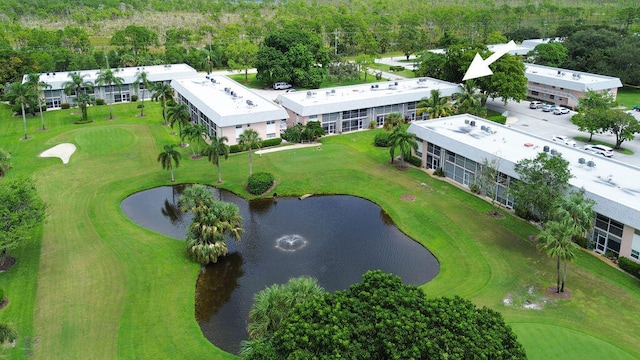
[(635, 254), (552, 96), (271, 135), (535, 93), (271, 122)]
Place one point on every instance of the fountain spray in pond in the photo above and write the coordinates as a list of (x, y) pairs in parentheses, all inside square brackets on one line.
[(291, 242)]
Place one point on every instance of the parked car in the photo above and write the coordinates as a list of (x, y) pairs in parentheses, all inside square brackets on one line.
[(281, 85), (600, 150), (548, 108), (564, 140), (536, 104), (559, 110)]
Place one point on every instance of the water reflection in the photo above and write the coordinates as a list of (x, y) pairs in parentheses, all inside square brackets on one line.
[(215, 284)]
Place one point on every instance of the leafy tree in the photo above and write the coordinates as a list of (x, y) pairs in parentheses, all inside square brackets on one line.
[(550, 54), (21, 93), (542, 181), (523, 33), (134, 39), (34, 80), (555, 241), (163, 92), (436, 106), (293, 55), (142, 78), (212, 222), (590, 49), (624, 126), (311, 131), (507, 82), (217, 150), (179, 113), (168, 157), (401, 138), (393, 120), (364, 61), (242, 55), (409, 40), (248, 141), (624, 64), (5, 162), (79, 86), (593, 121), (21, 210), (381, 318), (432, 65), (109, 77), (594, 100)]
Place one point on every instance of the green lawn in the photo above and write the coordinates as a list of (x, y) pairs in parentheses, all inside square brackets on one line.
[(96, 286), (628, 97)]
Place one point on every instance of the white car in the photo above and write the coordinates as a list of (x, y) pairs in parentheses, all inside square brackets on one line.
[(548, 108), (281, 86), (600, 150), (560, 110), (564, 140)]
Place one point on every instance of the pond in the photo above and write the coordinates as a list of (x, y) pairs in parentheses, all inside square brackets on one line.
[(334, 239)]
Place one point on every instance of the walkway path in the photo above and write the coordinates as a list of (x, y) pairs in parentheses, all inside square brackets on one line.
[(288, 147)]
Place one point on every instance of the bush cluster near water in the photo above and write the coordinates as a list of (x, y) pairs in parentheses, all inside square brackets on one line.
[(259, 183)]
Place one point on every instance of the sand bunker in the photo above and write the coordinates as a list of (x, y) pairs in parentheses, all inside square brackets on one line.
[(62, 151)]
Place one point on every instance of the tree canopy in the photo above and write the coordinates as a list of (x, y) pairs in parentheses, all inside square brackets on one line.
[(382, 318)]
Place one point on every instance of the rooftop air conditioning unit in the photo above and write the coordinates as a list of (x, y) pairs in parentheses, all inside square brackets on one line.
[(483, 128), (591, 164), (249, 102), (395, 83), (545, 148), (472, 123), (582, 161), (466, 121), (333, 91), (554, 152), (309, 94)]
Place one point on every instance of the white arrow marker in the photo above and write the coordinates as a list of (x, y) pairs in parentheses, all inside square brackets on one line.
[(480, 67)]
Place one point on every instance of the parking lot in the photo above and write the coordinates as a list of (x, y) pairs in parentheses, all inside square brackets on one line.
[(547, 125)]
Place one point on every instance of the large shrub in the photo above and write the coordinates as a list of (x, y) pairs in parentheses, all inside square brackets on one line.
[(382, 139), (259, 183), (271, 142), (629, 266), (65, 106), (413, 160), (100, 101)]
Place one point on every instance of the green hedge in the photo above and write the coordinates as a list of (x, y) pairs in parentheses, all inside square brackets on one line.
[(100, 102), (415, 161), (396, 68), (629, 266), (264, 144), (498, 119), (134, 98), (65, 106), (259, 183)]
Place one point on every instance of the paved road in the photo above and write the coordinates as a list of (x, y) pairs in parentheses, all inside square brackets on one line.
[(546, 125)]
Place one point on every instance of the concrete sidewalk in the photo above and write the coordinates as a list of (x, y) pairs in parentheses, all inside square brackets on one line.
[(289, 147)]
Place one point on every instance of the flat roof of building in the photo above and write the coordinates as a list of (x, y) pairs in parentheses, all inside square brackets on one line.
[(570, 79), (612, 184), (364, 96), (155, 73), (226, 102)]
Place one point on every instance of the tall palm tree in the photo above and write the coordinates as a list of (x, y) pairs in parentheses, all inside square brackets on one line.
[(179, 113), (250, 140), (401, 138), (109, 77), (468, 100), (555, 241), (142, 78), (578, 211), (196, 133), (34, 80), (392, 120), (162, 92), (168, 157), (79, 86), (215, 151), (435, 105), (21, 93)]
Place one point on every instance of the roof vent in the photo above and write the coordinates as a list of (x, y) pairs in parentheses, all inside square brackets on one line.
[(472, 123), (582, 161), (591, 164), (554, 152), (309, 94), (213, 81), (422, 80), (483, 128), (333, 91), (545, 148), (227, 90), (395, 83), (466, 121), (249, 102)]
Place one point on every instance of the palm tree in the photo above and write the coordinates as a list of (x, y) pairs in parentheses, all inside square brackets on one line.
[(468, 100), (22, 93), (195, 133), (212, 222), (179, 113), (163, 92), (392, 120), (108, 77), (7, 333), (34, 80), (403, 139), (79, 86), (215, 151), (141, 78), (555, 241), (578, 211), (250, 140), (435, 105), (168, 157)]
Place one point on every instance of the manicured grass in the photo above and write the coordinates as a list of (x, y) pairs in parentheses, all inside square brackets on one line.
[(628, 97), (101, 287), (386, 68)]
